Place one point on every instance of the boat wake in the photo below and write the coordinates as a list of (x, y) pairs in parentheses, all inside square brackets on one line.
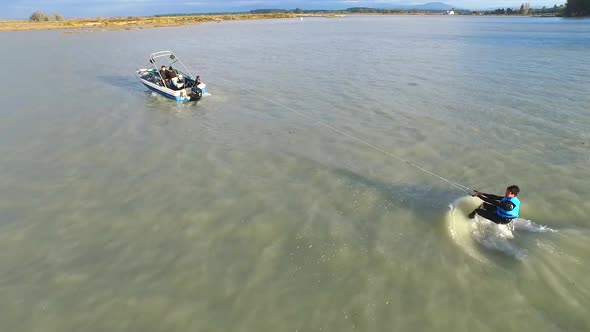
[(471, 234)]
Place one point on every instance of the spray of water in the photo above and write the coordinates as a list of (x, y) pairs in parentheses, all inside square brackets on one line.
[(473, 234)]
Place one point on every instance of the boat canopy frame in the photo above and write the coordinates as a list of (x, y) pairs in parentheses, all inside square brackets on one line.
[(174, 59)]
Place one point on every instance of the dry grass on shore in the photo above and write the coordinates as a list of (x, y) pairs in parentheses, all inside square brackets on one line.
[(130, 23)]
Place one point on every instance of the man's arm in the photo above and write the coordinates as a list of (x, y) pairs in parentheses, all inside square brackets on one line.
[(488, 198)]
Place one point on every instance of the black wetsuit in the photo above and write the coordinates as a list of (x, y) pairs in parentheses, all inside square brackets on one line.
[(489, 207), (171, 75)]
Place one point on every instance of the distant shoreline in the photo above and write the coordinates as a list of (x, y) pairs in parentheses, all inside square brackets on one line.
[(149, 22), (134, 23)]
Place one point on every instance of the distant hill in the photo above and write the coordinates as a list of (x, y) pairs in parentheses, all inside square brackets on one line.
[(431, 6), (434, 6)]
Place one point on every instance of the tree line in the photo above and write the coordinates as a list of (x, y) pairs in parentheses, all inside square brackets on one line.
[(577, 8), (571, 8), (40, 16), (525, 9)]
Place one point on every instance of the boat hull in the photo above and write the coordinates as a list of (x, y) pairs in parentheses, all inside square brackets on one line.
[(181, 96)]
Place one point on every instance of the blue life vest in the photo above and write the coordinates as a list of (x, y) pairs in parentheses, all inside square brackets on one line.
[(512, 213)]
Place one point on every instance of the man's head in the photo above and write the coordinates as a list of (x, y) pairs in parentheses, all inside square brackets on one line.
[(163, 68), (512, 191)]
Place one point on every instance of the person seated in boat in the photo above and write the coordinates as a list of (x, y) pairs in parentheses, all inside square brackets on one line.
[(164, 74), (174, 79), (498, 209)]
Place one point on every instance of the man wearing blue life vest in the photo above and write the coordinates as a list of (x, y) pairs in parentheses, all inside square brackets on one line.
[(498, 209)]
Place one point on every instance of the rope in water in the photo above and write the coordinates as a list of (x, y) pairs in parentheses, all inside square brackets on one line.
[(452, 183)]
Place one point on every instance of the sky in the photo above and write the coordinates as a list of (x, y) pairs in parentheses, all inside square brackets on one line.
[(94, 8)]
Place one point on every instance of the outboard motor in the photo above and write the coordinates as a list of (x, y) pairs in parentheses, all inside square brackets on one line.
[(196, 92)]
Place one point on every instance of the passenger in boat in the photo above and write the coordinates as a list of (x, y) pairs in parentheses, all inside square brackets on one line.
[(174, 79), (165, 75), (498, 209)]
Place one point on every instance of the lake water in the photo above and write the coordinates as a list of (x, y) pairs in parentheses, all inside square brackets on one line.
[(121, 210)]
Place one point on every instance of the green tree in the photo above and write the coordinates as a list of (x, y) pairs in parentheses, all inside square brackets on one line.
[(39, 16), (577, 8)]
